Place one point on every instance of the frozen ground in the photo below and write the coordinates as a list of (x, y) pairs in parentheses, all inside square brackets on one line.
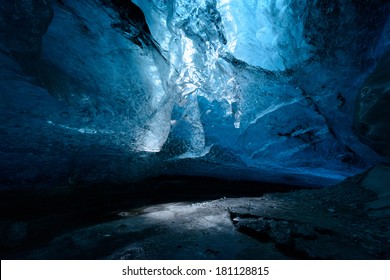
[(342, 222)]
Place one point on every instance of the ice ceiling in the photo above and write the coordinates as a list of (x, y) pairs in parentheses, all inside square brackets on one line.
[(273, 90)]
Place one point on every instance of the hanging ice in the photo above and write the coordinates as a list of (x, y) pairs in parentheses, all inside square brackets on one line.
[(251, 89)]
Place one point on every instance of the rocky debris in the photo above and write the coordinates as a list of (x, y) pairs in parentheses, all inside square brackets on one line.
[(329, 223), (302, 241)]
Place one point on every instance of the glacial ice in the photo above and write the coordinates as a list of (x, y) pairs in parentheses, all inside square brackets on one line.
[(241, 89)]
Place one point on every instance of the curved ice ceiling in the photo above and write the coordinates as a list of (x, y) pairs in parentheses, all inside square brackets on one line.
[(241, 89)]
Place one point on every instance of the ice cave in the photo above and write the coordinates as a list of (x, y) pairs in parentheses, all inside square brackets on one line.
[(195, 129)]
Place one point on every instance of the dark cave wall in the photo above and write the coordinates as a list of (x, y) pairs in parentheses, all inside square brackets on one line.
[(372, 117), (58, 62)]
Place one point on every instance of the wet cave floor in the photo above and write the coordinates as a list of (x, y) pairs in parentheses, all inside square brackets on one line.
[(193, 218)]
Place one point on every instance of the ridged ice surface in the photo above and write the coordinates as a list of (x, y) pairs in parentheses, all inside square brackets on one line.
[(243, 89)]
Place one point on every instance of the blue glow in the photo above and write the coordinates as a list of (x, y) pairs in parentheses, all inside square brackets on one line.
[(260, 90)]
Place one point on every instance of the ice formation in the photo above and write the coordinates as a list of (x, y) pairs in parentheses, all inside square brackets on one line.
[(120, 90)]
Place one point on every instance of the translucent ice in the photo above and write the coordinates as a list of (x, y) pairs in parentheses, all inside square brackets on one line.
[(243, 89)]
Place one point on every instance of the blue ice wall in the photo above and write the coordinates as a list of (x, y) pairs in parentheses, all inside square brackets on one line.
[(118, 91)]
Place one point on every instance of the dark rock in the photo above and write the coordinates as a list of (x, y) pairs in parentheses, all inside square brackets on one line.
[(257, 228), (372, 120), (281, 232), (13, 234), (303, 231), (22, 24)]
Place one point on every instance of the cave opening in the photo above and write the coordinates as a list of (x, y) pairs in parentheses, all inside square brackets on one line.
[(194, 129)]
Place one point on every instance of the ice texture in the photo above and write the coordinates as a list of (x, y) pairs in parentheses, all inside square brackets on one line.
[(111, 90)]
